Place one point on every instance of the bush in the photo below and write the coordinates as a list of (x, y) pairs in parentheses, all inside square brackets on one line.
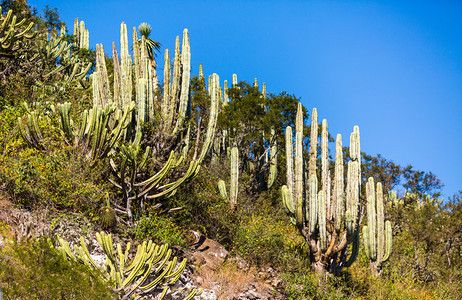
[(34, 270), (263, 240), (35, 179), (159, 228)]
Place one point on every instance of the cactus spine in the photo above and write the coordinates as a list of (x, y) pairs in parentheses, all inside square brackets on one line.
[(320, 214), (377, 235)]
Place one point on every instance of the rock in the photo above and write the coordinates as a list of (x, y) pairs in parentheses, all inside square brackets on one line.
[(209, 253), (241, 263)]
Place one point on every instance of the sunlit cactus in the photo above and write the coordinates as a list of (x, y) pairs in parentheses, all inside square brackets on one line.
[(328, 220), (130, 276), (107, 216), (273, 160), (12, 31), (54, 47), (234, 182), (377, 235)]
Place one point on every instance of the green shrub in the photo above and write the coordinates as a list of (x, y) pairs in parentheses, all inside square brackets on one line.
[(160, 229), (34, 179), (264, 240), (34, 270)]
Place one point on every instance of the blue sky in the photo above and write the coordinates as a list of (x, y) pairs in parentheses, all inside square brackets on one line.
[(392, 67)]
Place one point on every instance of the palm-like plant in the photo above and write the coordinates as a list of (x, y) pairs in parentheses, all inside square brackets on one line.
[(152, 47)]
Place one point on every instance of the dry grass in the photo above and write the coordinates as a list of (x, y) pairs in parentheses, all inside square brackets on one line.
[(229, 280)]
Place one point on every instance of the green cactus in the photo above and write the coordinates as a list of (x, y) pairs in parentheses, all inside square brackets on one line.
[(81, 35), (32, 133), (130, 276), (95, 136), (12, 31), (72, 66), (273, 160), (234, 182), (377, 235), (328, 221), (108, 216)]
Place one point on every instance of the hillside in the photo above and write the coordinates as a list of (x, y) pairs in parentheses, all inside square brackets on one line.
[(117, 185)]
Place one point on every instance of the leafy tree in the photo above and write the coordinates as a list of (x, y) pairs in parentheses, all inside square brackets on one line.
[(249, 119), (382, 170), (51, 19), (421, 182)]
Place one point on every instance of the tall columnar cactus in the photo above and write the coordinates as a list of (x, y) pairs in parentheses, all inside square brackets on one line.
[(377, 235), (234, 182), (128, 276), (81, 35), (12, 31), (328, 220), (133, 160), (273, 160), (234, 80)]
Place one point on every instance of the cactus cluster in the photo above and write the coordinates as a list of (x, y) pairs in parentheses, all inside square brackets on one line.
[(377, 235), (99, 131), (12, 31), (71, 64), (327, 218), (169, 114), (150, 261)]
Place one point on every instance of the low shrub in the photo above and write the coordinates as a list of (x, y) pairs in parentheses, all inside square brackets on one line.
[(160, 229), (34, 270)]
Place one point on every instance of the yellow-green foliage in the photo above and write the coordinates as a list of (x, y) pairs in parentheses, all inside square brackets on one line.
[(160, 229), (263, 240), (34, 178), (33, 270)]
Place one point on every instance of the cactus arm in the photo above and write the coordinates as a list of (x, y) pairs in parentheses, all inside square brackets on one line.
[(290, 166), (159, 176), (222, 189), (313, 143), (274, 160), (380, 233), (371, 218), (185, 79), (388, 241), (287, 201), (313, 203), (85, 250), (234, 175), (116, 76), (211, 127), (167, 78), (322, 219), (298, 168), (367, 247), (339, 184), (192, 171), (324, 156)]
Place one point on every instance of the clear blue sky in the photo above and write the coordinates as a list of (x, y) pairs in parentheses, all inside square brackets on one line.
[(392, 67)]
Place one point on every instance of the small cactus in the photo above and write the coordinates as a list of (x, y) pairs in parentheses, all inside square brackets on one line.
[(108, 216)]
